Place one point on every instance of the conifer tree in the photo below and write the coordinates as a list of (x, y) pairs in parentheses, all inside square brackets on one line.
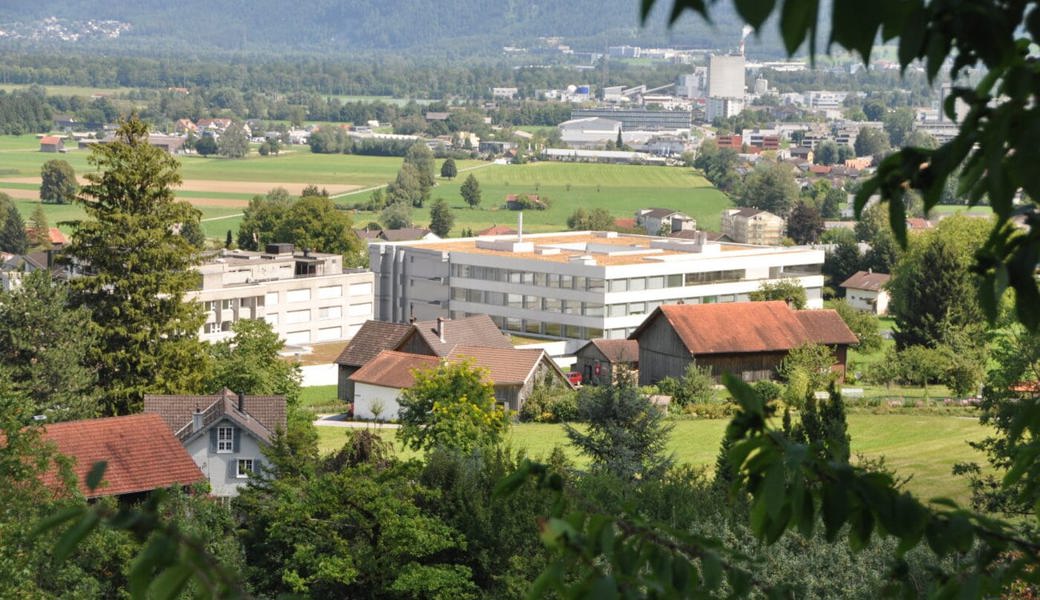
[(39, 229), (136, 269)]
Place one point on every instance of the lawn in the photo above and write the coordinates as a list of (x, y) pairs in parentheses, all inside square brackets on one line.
[(924, 447), (620, 189)]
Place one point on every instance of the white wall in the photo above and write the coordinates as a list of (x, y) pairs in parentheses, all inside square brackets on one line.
[(215, 465), (366, 395)]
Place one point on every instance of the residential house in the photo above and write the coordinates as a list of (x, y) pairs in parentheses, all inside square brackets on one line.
[(859, 163), (142, 455), (440, 337), (185, 126), (369, 341), (601, 360), (748, 339), (495, 147), (752, 226), (866, 290), (513, 372), (918, 224), (801, 153), (13, 267), (408, 234), (307, 297), (224, 434), (664, 221), (217, 126), (52, 143)]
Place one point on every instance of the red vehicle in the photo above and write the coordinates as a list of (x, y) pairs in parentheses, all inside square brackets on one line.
[(574, 377)]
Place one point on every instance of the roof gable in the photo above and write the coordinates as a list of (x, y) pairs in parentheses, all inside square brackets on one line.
[(264, 414), (867, 280), (393, 369), (614, 351), (370, 340), (141, 452), (477, 330)]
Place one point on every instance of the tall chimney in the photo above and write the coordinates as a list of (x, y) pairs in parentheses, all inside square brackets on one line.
[(520, 226), (440, 328), (242, 402), (196, 420)]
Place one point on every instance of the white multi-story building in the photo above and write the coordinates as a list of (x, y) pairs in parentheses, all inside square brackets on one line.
[(575, 285), (307, 297), (725, 86)]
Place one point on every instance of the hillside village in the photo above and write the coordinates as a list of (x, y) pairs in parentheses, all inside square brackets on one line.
[(547, 334)]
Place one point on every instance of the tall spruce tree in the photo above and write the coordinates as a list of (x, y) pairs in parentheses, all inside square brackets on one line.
[(39, 229), (136, 271), (12, 227)]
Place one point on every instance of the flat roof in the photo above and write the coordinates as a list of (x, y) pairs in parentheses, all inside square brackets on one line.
[(601, 249)]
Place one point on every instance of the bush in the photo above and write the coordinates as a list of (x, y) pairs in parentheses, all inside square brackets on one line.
[(550, 404)]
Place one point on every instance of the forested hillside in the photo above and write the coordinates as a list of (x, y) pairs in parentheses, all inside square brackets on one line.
[(447, 26)]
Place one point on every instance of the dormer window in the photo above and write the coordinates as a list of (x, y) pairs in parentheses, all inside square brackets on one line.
[(225, 439)]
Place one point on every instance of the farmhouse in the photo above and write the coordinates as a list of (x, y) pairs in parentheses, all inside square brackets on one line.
[(748, 339), (142, 455), (865, 290), (599, 360), (514, 373), (370, 340)]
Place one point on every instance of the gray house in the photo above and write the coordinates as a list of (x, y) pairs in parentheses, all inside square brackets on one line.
[(598, 360), (224, 434)]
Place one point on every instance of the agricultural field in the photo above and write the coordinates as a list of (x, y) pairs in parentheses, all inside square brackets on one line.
[(221, 188), (621, 189), (924, 447)]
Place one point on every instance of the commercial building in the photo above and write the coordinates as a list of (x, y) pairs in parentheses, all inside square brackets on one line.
[(725, 86), (575, 285), (307, 297), (640, 118)]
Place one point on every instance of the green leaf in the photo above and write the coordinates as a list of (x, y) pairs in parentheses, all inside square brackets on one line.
[(835, 509), (604, 587), (711, 566), (52, 521), (897, 219), (74, 535), (97, 471), (755, 12), (797, 17), (773, 489), (170, 583), (551, 576), (912, 37)]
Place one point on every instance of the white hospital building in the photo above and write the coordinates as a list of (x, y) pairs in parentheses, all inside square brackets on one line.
[(307, 297), (575, 285)]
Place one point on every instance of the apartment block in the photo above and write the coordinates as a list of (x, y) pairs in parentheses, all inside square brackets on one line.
[(575, 285), (307, 297), (752, 226)]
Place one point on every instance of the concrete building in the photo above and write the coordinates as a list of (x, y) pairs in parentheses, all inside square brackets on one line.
[(752, 226), (307, 297), (725, 86), (575, 285), (589, 133), (640, 118)]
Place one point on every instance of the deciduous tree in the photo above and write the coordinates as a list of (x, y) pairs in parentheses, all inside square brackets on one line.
[(58, 182), (770, 187), (441, 217), (786, 290), (233, 143), (249, 362), (470, 191), (448, 169), (805, 224)]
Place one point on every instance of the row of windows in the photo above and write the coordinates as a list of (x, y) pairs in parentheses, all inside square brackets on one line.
[(534, 327), (595, 284), (529, 302)]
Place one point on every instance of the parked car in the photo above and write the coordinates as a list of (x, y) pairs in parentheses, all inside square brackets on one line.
[(574, 377)]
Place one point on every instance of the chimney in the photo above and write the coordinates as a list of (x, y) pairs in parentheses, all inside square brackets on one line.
[(196, 420), (242, 402), (440, 328), (520, 226)]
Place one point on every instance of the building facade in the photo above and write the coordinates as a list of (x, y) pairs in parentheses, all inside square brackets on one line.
[(752, 226), (306, 297), (725, 86), (639, 118), (575, 285)]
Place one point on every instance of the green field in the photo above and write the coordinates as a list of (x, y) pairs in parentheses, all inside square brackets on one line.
[(68, 90), (924, 447), (621, 189)]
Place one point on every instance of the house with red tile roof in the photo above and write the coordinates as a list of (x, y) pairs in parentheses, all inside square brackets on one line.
[(867, 290), (224, 434), (52, 143), (513, 372), (748, 339), (141, 453)]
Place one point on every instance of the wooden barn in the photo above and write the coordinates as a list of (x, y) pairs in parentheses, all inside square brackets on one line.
[(749, 339), (598, 360)]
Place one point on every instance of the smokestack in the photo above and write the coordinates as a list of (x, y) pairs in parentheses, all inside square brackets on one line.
[(743, 36), (196, 420), (520, 226), (241, 402), (440, 328)]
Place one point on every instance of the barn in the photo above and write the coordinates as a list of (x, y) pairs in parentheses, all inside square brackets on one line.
[(598, 360), (749, 339)]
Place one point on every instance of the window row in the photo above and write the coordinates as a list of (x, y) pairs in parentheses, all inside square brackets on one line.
[(538, 279), (533, 327), (529, 302)]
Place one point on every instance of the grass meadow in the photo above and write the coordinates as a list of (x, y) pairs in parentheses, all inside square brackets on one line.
[(620, 189), (922, 447)]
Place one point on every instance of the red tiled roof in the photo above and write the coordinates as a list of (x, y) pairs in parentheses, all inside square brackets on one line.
[(505, 366), (625, 223), (867, 280), (393, 369), (141, 452), (497, 230), (477, 330), (616, 351), (262, 415), (918, 223), (370, 340), (739, 327), (50, 140)]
